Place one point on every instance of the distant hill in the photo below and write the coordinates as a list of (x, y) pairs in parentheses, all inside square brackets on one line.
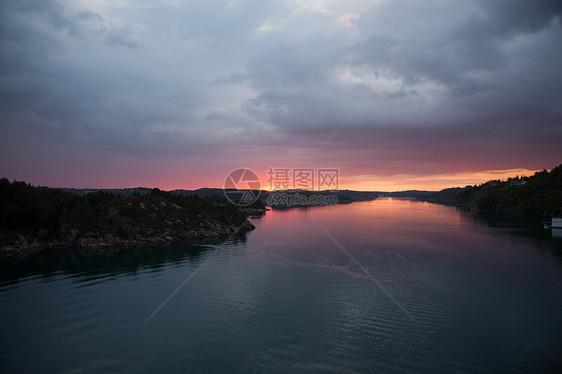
[(116, 191), (217, 194), (448, 196), (409, 193)]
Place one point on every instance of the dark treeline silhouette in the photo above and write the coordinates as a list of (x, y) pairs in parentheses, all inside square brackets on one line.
[(47, 213), (537, 195)]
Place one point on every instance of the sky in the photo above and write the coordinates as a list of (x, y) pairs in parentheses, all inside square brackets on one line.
[(172, 94)]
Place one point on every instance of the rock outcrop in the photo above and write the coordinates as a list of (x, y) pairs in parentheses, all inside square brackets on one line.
[(74, 238)]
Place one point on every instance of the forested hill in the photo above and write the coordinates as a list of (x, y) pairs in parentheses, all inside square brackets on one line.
[(39, 216), (538, 195)]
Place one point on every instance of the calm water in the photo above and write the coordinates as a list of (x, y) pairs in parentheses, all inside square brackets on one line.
[(390, 286)]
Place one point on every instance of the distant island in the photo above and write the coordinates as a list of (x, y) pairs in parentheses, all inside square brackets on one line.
[(538, 195)]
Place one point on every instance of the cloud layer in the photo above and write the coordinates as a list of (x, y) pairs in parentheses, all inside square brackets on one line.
[(162, 93)]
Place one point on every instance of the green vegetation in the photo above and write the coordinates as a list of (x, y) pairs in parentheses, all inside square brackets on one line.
[(53, 215), (538, 195)]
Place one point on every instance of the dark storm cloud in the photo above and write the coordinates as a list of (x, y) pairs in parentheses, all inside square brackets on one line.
[(390, 80), (468, 61), (72, 77)]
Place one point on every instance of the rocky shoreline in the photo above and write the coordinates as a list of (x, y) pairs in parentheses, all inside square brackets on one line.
[(35, 218), (206, 230)]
